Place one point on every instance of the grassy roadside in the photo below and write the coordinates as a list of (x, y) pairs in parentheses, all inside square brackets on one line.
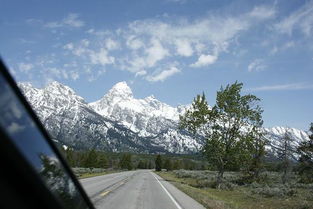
[(239, 197)]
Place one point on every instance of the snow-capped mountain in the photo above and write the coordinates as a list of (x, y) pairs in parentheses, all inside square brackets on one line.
[(275, 135), (147, 117), (72, 122), (119, 122)]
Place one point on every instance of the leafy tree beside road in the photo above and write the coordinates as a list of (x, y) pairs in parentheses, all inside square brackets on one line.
[(231, 127)]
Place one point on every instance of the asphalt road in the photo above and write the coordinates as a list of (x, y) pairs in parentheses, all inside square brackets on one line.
[(141, 189)]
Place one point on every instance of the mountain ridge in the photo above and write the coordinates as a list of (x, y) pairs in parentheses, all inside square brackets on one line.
[(120, 122)]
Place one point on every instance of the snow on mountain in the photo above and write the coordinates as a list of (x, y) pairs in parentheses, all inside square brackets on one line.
[(146, 116), (71, 121), (51, 100), (120, 122), (276, 134)]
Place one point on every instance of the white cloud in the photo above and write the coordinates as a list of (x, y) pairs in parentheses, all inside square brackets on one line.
[(207, 37), (163, 75), (101, 57), (57, 73), (274, 50), (256, 65), (134, 43), (145, 46), (85, 42), (33, 21), (263, 12), (51, 73), (74, 75), (92, 76), (25, 67), (285, 46), (110, 44), (204, 60), (155, 53), (184, 48), (301, 19), (141, 73), (79, 51), (292, 86), (69, 46), (211, 30), (16, 110), (71, 20), (13, 128)]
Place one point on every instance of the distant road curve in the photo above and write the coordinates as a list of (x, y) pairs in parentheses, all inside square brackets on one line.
[(141, 189)]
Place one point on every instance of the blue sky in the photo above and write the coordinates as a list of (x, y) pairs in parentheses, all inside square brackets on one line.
[(173, 49)]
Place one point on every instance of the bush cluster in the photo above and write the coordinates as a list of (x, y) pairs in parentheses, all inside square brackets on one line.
[(277, 191), (269, 184)]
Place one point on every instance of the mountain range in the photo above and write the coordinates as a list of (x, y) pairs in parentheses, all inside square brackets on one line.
[(119, 122)]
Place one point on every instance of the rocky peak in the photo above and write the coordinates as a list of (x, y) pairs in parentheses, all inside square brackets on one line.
[(122, 90)]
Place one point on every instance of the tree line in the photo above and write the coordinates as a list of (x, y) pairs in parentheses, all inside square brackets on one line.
[(129, 161)]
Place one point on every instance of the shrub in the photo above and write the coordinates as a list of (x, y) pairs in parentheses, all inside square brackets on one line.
[(278, 191)]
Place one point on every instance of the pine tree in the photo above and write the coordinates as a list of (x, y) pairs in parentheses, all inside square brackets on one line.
[(126, 162), (223, 125), (102, 161), (141, 165), (285, 152), (158, 163), (168, 165), (177, 165), (90, 159), (305, 168), (150, 165), (69, 156)]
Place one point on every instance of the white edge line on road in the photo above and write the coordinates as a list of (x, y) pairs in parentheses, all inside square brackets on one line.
[(172, 198)]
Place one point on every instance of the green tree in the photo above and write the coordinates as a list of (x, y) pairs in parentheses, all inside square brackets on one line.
[(56, 179), (141, 164), (189, 164), (305, 168), (69, 156), (255, 141), (150, 164), (126, 162), (177, 165), (168, 165), (90, 160), (226, 142), (102, 161), (158, 163)]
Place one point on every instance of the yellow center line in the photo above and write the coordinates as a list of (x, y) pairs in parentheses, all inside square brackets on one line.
[(104, 193), (108, 191)]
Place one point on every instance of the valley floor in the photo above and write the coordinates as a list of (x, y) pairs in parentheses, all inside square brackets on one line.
[(268, 194)]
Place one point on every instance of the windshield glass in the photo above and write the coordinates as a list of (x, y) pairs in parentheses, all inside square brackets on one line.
[(20, 127)]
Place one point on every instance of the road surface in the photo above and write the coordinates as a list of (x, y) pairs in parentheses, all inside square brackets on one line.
[(141, 189)]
